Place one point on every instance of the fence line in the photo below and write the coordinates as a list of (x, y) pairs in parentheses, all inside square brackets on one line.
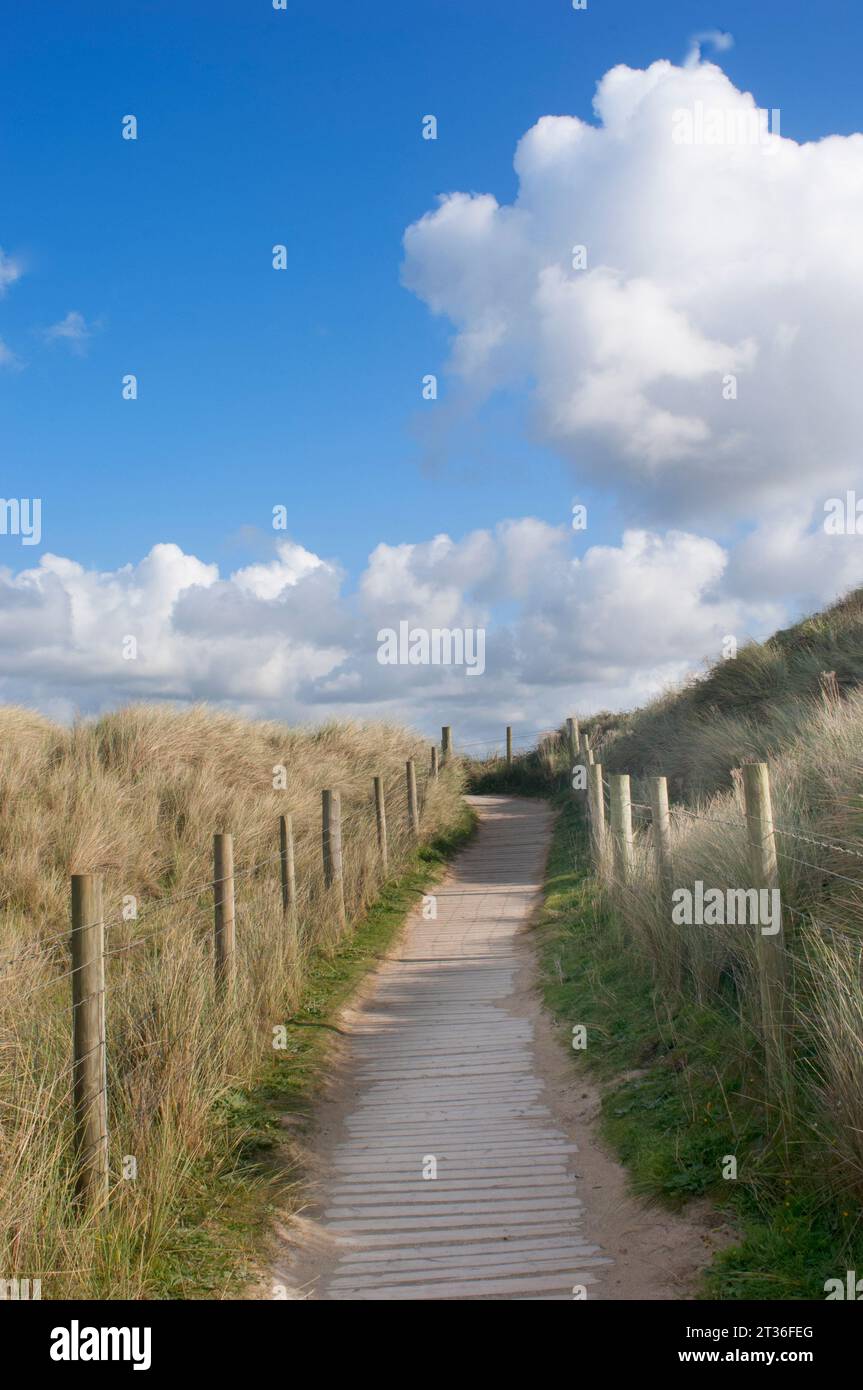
[(613, 848), (91, 953), (761, 831)]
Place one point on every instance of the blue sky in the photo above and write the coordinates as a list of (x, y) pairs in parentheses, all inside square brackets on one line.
[(303, 387), (302, 126)]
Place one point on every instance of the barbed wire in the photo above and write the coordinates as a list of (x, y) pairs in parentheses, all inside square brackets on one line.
[(819, 868), (822, 844), (782, 854), (497, 741)]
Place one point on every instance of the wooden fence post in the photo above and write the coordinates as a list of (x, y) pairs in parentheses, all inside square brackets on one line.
[(413, 812), (445, 744), (331, 841), (621, 824), (572, 735), (89, 1076), (771, 949), (509, 745), (678, 945), (661, 830), (434, 760), (286, 860), (381, 816), (596, 801), (223, 912)]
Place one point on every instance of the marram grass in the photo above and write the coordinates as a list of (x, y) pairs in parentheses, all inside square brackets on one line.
[(137, 796)]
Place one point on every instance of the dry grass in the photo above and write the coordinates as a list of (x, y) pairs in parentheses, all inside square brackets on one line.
[(795, 701), (817, 790), (137, 796)]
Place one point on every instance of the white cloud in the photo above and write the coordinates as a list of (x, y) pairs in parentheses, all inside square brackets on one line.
[(717, 39), (269, 580), (64, 631), (73, 329), (803, 567), (702, 261), (282, 639)]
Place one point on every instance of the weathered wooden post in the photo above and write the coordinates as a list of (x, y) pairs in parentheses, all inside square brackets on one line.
[(381, 817), (413, 811), (596, 803), (509, 745), (89, 1074), (286, 862), (434, 761), (661, 830), (446, 744), (572, 738), (621, 825), (331, 844), (223, 913), (764, 869), (661, 826)]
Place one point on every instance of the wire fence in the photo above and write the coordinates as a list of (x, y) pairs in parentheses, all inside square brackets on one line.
[(764, 849), (192, 932), (126, 969)]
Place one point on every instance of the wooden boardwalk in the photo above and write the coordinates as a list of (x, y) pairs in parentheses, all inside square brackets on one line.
[(441, 1072)]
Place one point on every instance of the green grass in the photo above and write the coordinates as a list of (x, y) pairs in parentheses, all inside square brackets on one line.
[(222, 1243), (680, 1093)]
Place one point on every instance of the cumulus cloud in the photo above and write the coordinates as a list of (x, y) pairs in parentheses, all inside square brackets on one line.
[(194, 634), (282, 638), (802, 566), (703, 261)]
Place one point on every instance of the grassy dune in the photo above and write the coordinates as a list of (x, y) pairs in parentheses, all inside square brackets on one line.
[(137, 796), (680, 1006), (797, 702), (750, 707)]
